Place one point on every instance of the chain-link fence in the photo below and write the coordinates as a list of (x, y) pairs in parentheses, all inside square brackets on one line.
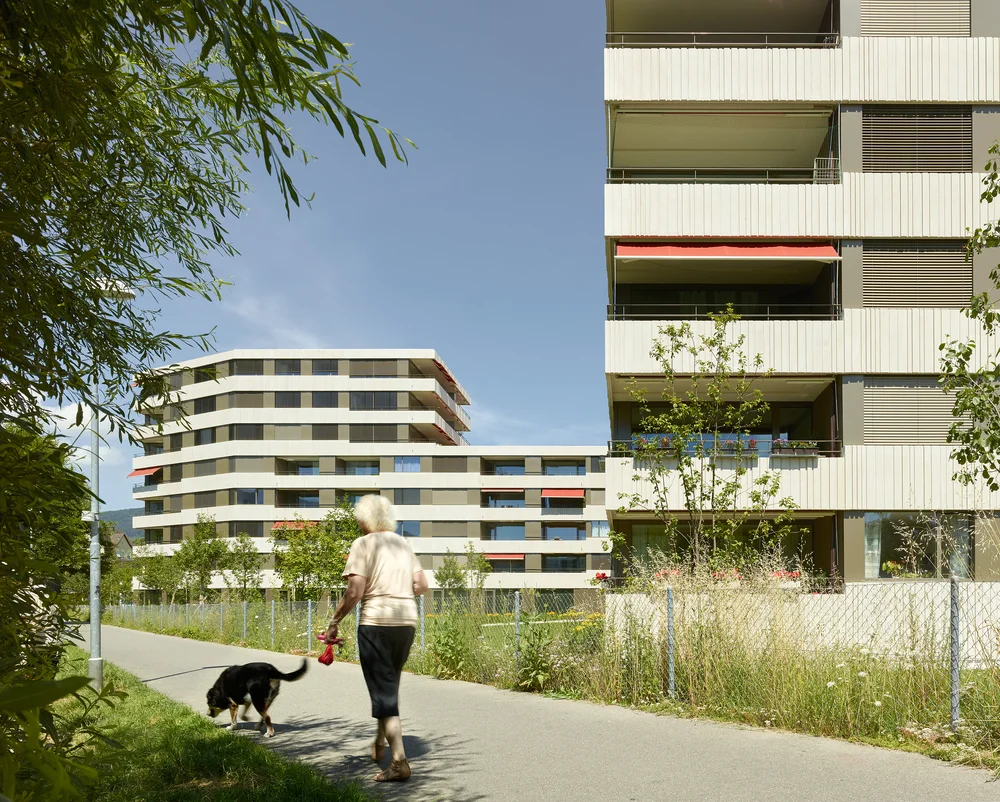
[(895, 659)]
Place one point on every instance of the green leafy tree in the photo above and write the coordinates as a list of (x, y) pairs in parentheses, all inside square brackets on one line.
[(243, 568), (310, 557), (116, 582), (476, 568), (200, 556), (974, 378), (158, 571), (451, 575), (76, 564), (130, 129), (696, 449)]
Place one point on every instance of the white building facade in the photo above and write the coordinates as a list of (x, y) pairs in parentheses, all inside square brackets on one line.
[(254, 438), (818, 166)]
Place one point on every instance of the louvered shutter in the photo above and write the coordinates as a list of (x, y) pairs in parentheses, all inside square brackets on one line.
[(917, 139), (916, 18), (916, 274), (906, 411)]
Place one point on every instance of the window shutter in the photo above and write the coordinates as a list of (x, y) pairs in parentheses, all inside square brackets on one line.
[(916, 274), (916, 139), (906, 411), (916, 18)]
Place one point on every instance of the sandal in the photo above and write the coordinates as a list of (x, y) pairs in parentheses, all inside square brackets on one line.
[(378, 751), (397, 772)]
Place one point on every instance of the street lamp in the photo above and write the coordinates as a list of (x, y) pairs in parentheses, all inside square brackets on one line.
[(95, 665)]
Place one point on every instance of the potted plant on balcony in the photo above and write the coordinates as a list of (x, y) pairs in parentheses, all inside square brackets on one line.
[(794, 448), (739, 447)]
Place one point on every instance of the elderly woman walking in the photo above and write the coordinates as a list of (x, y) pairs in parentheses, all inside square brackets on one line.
[(385, 576)]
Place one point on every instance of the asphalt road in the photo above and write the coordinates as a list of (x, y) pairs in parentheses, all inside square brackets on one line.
[(471, 742)]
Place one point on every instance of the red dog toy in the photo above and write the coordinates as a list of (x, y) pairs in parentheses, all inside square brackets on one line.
[(327, 657)]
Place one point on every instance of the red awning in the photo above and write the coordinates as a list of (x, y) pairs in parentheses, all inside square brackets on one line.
[(504, 556), (144, 472), (657, 250), (565, 493), (291, 525)]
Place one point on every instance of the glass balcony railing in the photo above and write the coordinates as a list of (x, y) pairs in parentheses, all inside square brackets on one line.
[(744, 311), (619, 39), (823, 171), (754, 446)]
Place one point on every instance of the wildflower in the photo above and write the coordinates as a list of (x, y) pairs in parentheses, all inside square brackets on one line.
[(841, 665), (862, 673), (830, 684), (878, 703), (866, 652)]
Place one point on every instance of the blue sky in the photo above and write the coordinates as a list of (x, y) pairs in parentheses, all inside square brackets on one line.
[(488, 247)]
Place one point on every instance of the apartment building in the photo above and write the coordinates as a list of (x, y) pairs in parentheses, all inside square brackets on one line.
[(255, 438), (815, 164)]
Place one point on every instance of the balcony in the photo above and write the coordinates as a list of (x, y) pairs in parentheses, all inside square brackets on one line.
[(744, 311), (722, 23), (823, 171), (748, 448)]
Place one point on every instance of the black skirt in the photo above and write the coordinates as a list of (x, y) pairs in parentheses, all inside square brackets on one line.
[(383, 652)]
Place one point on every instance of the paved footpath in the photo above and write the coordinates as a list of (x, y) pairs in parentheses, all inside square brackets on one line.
[(470, 742)]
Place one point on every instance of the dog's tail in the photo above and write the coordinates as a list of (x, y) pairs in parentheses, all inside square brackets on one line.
[(297, 674)]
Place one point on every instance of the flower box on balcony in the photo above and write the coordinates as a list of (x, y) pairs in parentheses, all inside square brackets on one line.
[(794, 448)]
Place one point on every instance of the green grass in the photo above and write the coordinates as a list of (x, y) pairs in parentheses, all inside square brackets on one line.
[(169, 753)]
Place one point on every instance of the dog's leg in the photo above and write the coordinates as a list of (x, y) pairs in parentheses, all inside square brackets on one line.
[(232, 714), (246, 712), (270, 728)]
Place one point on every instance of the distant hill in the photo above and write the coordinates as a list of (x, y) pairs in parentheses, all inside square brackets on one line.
[(122, 520)]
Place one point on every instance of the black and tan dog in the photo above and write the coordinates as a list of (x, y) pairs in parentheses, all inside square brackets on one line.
[(253, 683)]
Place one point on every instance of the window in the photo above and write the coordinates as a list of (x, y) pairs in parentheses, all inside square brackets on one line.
[(599, 528), (154, 536), (324, 367), (552, 532), (373, 368), (176, 442), (204, 374), (504, 468), (407, 496), (918, 545), (497, 499), (204, 437), (249, 496), (251, 528), (507, 566), (408, 528), (247, 367), (175, 381), (407, 465), (563, 563), (202, 500), (325, 431), (203, 405), (299, 468), (504, 531), (351, 497), (297, 498), (248, 400), (152, 449), (153, 507), (246, 431), (373, 433), (324, 400), (597, 464), (565, 506), (287, 400), (287, 367), (204, 468), (176, 533), (361, 468), (564, 468), (371, 400)]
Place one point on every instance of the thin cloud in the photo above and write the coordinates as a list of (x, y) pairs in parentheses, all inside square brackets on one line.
[(272, 320)]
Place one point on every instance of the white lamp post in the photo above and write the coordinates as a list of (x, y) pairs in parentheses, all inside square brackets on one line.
[(95, 666)]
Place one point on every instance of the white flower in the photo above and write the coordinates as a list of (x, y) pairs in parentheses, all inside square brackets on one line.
[(830, 684), (866, 651), (841, 665), (878, 703), (862, 673)]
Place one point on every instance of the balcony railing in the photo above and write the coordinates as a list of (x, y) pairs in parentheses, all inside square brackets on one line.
[(142, 488), (747, 447), (826, 173), (739, 39), (744, 311)]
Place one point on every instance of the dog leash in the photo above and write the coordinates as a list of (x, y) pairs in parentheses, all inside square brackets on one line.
[(327, 657)]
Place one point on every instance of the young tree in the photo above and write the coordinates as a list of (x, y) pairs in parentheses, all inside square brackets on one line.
[(310, 557), (116, 582), (973, 379), (158, 571), (242, 573), (200, 556), (451, 575), (697, 447), (476, 568)]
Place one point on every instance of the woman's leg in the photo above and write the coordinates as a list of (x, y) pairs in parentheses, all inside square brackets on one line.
[(393, 729)]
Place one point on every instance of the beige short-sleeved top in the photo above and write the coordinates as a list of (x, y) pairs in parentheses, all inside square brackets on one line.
[(388, 564)]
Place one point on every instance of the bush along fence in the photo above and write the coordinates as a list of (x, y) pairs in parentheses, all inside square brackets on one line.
[(885, 661)]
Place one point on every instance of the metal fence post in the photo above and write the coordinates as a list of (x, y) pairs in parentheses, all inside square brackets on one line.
[(244, 622), (272, 623), (671, 686), (517, 631), (423, 641), (203, 606), (221, 631), (955, 655), (160, 606), (187, 614), (135, 615), (309, 625)]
